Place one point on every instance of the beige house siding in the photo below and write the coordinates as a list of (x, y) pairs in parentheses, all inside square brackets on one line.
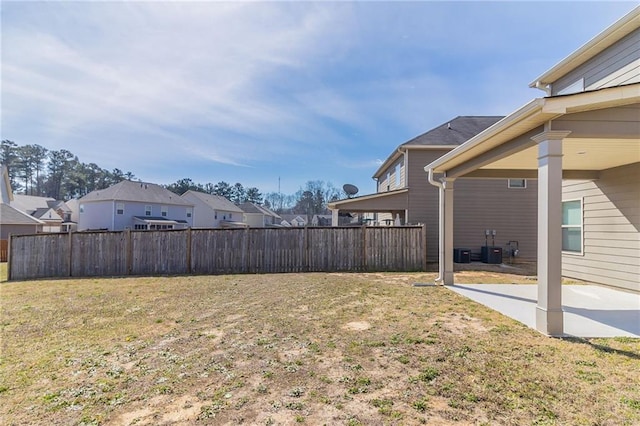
[(479, 204), (393, 177), (491, 204), (611, 228), (6, 230), (615, 66)]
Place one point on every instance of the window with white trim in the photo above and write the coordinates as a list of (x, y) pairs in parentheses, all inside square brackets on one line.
[(189, 212), (81, 208), (119, 208), (164, 211), (517, 183), (572, 226), (147, 210)]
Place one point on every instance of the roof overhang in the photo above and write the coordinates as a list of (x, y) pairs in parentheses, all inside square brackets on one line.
[(599, 43), (508, 145), (380, 202)]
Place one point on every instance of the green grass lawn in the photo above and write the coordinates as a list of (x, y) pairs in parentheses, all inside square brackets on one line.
[(345, 349)]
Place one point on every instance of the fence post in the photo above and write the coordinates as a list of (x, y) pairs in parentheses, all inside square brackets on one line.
[(424, 247), (70, 260), (9, 257), (129, 249), (364, 248), (189, 250)]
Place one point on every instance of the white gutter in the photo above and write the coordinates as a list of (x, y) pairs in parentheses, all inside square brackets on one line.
[(616, 31), (546, 88), (526, 111), (440, 277)]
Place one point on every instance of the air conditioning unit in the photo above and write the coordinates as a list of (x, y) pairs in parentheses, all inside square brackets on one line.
[(462, 255), (492, 255)]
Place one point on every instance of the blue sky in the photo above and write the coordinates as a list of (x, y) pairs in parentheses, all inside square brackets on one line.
[(252, 91)]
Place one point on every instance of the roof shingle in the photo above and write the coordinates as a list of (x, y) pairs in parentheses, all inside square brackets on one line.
[(142, 192)]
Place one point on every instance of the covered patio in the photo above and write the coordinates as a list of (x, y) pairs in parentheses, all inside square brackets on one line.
[(582, 144), (394, 202)]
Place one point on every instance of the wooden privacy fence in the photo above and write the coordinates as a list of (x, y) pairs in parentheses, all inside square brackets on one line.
[(217, 251), (4, 252)]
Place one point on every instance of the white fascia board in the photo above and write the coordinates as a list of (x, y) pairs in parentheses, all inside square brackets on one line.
[(532, 108), (625, 25)]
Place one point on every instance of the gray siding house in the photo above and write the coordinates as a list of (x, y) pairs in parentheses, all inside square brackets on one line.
[(504, 205), (257, 216), (136, 206), (581, 141), (213, 211)]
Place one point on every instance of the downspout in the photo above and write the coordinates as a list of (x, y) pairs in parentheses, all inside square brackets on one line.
[(546, 88), (440, 186)]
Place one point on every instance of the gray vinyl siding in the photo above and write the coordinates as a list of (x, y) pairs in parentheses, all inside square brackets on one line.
[(611, 228), (102, 214), (481, 204), (615, 66), (96, 215), (423, 197)]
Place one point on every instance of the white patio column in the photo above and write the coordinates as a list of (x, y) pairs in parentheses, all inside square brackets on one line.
[(549, 317), (334, 217), (446, 251)]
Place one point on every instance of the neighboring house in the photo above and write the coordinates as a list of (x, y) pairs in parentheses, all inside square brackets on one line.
[(55, 214), (71, 224), (213, 211), (293, 220), (134, 205), (257, 216), (581, 141), (321, 220), (12, 220), (52, 220), (405, 196), (15, 222)]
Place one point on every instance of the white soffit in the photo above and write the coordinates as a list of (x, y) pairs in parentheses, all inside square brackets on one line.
[(578, 154)]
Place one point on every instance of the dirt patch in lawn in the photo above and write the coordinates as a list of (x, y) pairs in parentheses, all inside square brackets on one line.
[(339, 349)]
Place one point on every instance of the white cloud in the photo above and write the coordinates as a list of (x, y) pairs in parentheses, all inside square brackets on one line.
[(310, 87), (165, 66)]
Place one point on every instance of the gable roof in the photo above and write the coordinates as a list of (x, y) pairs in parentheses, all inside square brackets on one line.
[(216, 202), (257, 209), (142, 192), (293, 217), (451, 133), (41, 212), (454, 132), (30, 203), (12, 216)]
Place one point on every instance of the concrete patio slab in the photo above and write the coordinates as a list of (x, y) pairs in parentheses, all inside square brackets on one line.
[(589, 310)]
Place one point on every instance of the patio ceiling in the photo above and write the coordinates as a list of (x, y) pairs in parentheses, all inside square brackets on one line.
[(605, 133)]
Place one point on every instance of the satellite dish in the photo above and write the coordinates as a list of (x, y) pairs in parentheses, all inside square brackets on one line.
[(351, 190)]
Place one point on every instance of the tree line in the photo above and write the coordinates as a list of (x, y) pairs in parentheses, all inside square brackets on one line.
[(59, 174)]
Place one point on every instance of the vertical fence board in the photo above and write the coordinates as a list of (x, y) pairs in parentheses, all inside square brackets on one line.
[(99, 254), (159, 252), (39, 256)]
